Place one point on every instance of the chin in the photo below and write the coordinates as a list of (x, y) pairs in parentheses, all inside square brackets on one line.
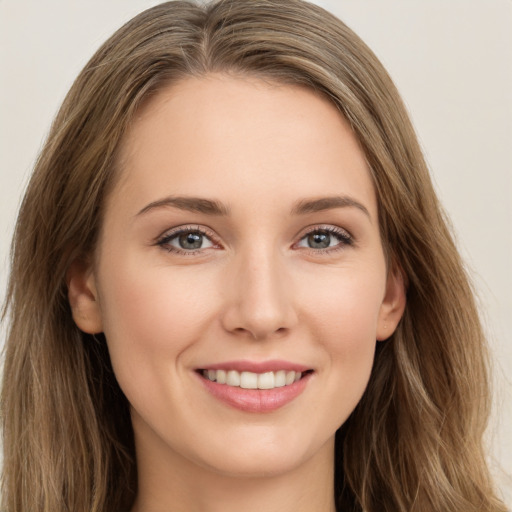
[(267, 465), (268, 457)]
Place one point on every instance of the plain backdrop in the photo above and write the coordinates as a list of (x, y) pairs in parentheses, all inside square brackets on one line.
[(452, 62)]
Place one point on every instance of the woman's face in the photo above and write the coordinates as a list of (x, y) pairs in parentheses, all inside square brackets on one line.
[(240, 244)]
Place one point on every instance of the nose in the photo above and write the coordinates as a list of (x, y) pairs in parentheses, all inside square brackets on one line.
[(259, 297)]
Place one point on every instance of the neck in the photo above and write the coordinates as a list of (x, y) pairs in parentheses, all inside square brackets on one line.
[(176, 484)]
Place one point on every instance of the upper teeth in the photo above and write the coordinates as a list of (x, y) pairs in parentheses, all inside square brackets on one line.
[(250, 380)]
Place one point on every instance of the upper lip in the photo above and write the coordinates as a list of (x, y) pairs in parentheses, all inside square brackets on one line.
[(273, 365)]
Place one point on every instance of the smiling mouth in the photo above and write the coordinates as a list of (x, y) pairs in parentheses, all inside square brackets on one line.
[(252, 380)]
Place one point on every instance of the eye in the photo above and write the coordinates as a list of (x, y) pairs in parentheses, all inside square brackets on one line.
[(186, 240), (325, 238)]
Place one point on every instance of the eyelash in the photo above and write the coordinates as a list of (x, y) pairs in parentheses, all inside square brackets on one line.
[(344, 238), (165, 240)]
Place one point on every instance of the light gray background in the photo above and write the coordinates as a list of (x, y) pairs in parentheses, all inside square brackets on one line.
[(452, 62)]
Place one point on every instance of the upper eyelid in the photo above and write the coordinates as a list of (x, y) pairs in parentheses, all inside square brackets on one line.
[(171, 232), (346, 239), (322, 227), (211, 234), (164, 240)]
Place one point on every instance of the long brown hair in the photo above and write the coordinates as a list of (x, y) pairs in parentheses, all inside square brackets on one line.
[(414, 442)]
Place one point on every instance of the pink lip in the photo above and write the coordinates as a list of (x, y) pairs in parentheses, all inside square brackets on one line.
[(273, 365), (255, 400)]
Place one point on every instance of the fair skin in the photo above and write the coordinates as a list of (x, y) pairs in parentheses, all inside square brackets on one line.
[(279, 268)]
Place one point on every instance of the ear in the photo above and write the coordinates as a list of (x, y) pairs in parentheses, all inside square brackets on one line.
[(83, 297), (393, 305)]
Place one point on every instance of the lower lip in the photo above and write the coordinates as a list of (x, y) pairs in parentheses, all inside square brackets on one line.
[(256, 400)]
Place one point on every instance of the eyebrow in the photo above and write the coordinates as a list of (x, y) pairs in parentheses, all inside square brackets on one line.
[(328, 203), (213, 207), (191, 204)]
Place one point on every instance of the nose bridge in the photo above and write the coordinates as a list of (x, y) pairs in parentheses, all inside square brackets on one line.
[(260, 299)]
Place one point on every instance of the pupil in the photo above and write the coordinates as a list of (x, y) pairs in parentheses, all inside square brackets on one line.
[(191, 241), (319, 240)]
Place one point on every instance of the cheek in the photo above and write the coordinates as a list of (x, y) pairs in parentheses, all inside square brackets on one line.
[(344, 316), (151, 315), (346, 308)]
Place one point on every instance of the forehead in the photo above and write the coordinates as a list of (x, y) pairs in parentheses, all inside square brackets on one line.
[(221, 134)]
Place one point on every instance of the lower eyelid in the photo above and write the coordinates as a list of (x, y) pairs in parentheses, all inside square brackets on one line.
[(344, 237), (167, 236)]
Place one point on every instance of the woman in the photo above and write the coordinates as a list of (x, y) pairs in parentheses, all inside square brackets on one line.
[(233, 285)]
